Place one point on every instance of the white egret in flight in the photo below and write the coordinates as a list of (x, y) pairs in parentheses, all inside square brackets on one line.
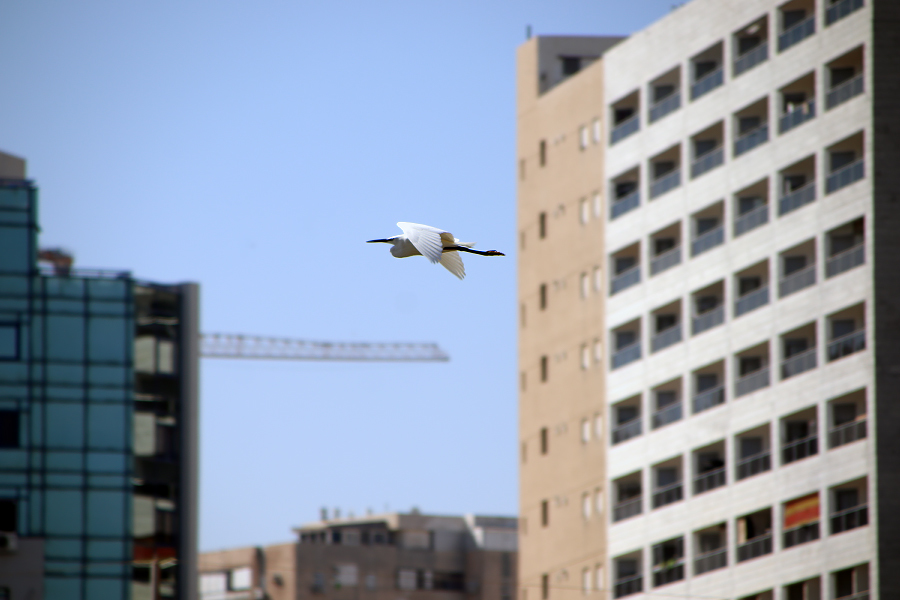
[(434, 244)]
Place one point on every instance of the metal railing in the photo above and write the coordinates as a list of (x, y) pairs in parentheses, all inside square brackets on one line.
[(751, 140), (627, 508), (706, 84), (800, 449), (798, 116), (707, 162), (801, 535), (842, 93), (838, 11), (710, 561), (665, 183), (850, 518), (797, 280), (626, 279), (709, 399), (627, 430), (797, 33), (667, 495), (668, 574), (708, 320), (754, 465), (670, 336), (845, 176), (751, 58), (628, 586), (707, 241), (626, 355), (754, 548), (799, 197), (667, 415), (666, 260), (847, 344), (625, 204), (846, 260), (751, 301), (665, 106), (847, 433), (751, 220), (625, 128), (709, 480), (798, 363), (752, 382)]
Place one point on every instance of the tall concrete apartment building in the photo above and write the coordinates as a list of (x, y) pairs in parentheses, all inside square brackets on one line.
[(98, 423), (749, 309)]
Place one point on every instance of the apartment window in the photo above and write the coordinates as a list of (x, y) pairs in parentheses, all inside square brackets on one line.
[(628, 419), (9, 521), (753, 370), (598, 500), (708, 229), (709, 390), (852, 583), (626, 268), (666, 248), (668, 561), (708, 307), (598, 205), (711, 552), (626, 119), (665, 169), (598, 578), (9, 341), (847, 332), (801, 520), (845, 247), (668, 485), (545, 586), (668, 404), (586, 505), (754, 456), (585, 431), (545, 513), (627, 344), (666, 95), (598, 279), (849, 506), (844, 78), (585, 286), (753, 288), (798, 102), (751, 46), (598, 426), (545, 440), (798, 22), (544, 368), (597, 130), (846, 163), (542, 296), (754, 535), (583, 137), (628, 496), (752, 126), (800, 434), (584, 211), (9, 429), (628, 576), (848, 419), (709, 465), (667, 326), (542, 225), (706, 71), (708, 152), (542, 153)]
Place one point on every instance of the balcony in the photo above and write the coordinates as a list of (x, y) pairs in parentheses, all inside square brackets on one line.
[(838, 11), (797, 33), (751, 301), (758, 546), (754, 465), (844, 92), (709, 480), (666, 338), (751, 139), (798, 363), (751, 220), (666, 260), (625, 128), (665, 183), (628, 586), (847, 344), (707, 162), (708, 320), (797, 198), (709, 399), (800, 449), (752, 382), (626, 279), (625, 204), (626, 355), (665, 106), (708, 240), (801, 535), (627, 430), (845, 520), (667, 415), (706, 84), (626, 509), (751, 58), (846, 260), (796, 281), (668, 574), (845, 176), (847, 433), (710, 561), (797, 117), (667, 495)]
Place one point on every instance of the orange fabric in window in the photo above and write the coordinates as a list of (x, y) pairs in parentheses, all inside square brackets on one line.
[(801, 511)]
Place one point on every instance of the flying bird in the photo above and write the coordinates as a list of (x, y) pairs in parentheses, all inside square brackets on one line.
[(434, 244)]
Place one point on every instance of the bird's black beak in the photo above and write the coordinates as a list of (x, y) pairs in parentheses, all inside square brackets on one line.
[(374, 241)]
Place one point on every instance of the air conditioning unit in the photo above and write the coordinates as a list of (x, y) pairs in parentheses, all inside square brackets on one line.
[(8, 542)]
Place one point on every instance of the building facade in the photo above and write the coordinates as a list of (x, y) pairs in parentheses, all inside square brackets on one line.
[(98, 418)]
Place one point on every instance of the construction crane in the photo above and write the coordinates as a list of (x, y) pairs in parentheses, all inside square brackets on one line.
[(228, 345)]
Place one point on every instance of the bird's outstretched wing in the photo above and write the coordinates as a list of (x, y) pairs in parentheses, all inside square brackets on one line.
[(452, 261), (427, 240)]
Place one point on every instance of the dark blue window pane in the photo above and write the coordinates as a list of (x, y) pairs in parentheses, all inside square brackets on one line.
[(106, 426), (63, 512), (106, 512), (14, 250), (65, 425), (107, 339), (99, 462), (62, 588), (9, 341), (65, 337)]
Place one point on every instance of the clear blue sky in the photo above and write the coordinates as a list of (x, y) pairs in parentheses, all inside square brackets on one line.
[(253, 148)]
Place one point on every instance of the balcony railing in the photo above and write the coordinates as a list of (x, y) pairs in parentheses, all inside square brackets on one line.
[(798, 116), (846, 260), (754, 465), (799, 197), (847, 433), (751, 220), (625, 204), (626, 279), (708, 320), (665, 106), (666, 260), (706, 84), (667, 495), (626, 355), (628, 586), (708, 241), (752, 139), (709, 480), (800, 449), (798, 363), (838, 11), (625, 128), (847, 344), (627, 430), (666, 338), (667, 415), (844, 92), (752, 382), (751, 301), (797, 33), (848, 519), (665, 183), (668, 574), (845, 176), (754, 548), (710, 561), (751, 58), (709, 399), (797, 280), (627, 508), (707, 162), (801, 535)]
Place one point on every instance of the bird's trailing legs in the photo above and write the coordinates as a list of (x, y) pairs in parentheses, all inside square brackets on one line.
[(465, 249)]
